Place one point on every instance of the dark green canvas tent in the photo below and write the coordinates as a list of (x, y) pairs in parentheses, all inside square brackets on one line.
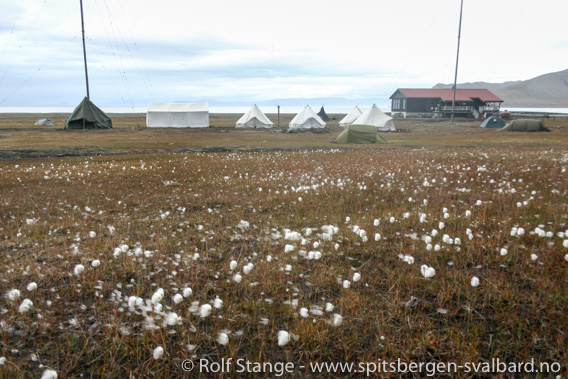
[(323, 115), (88, 116), (493, 122), (359, 134), (524, 125)]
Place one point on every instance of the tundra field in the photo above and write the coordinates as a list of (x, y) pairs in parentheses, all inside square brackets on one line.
[(130, 252)]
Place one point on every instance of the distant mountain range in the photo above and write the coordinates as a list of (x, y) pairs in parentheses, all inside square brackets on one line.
[(544, 91)]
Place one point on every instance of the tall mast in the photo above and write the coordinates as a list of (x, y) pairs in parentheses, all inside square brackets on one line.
[(84, 50), (457, 60)]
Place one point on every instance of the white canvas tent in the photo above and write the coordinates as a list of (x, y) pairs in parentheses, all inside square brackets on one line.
[(254, 118), (374, 116), (307, 119), (352, 116), (177, 115), (44, 121)]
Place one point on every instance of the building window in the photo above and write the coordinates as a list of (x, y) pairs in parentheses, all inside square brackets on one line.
[(395, 103), (403, 104)]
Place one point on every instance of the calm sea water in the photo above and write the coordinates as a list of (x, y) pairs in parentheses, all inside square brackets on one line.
[(265, 109)]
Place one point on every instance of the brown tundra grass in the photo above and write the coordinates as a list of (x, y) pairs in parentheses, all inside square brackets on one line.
[(184, 213)]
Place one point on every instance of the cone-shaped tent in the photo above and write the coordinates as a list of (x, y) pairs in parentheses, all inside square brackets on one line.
[(351, 117), (493, 122), (88, 116), (44, 121), (359, 134), (306, 119), (323, 115), (524, 125), (374, 116), (254, 118)]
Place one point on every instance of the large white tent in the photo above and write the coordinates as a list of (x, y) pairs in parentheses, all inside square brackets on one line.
[(352, 116), (177, 115), (254, 118), (374, 116), (307, 119)]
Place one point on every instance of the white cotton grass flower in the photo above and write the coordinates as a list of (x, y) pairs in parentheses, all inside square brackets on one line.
[(237, 278), (187, 292), (329, 307), (248, 268), (178, 298), (503, 252), (283, 338), (78, 270), (304, 312), (158, 353), (376, 222), (32, 286), (316, 244), (427, 272), (92, 234), (392, 220), (96, 263), (26, 306), (434, 232), (158, 296), (565, 243), (233, 265), (377, 236), (49, 374), (205, 310), (218, 303), (346, 284), (356, 277), (475, 281), (269, 258), (478, 203), (468, 213), (441, 225), (13, 294), (223, 338), (173, 319), (407, 258), (347, 219), (288, 248), (2, 361), (534, 257), (336, 319)]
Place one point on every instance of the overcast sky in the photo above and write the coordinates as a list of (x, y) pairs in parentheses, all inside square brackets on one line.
[(142, 51)]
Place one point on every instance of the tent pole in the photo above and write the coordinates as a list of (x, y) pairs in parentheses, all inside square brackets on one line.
[(457, 60), (84, 50)]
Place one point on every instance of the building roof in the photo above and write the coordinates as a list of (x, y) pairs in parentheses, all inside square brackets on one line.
[(447, 94)]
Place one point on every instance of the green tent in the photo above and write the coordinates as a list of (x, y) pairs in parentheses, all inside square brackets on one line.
[(88, 116), (524, 125), (493, 122), (359, 134)]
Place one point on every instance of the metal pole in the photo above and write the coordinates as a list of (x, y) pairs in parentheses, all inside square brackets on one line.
[(457, 60), (84, 50), (278, 116)]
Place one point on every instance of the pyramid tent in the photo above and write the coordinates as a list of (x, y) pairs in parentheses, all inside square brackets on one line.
[(306, 119), (374, 116), (44, 121), (352, 116), (524, 125), (493, 122), (177, 115), (323, 115), (359, 134), (254, 118), (88, 116)]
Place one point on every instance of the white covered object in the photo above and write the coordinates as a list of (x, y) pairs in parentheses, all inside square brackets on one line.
[(177, 115), (307, 119), (351, 117), (254, 118), (374, 116)]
